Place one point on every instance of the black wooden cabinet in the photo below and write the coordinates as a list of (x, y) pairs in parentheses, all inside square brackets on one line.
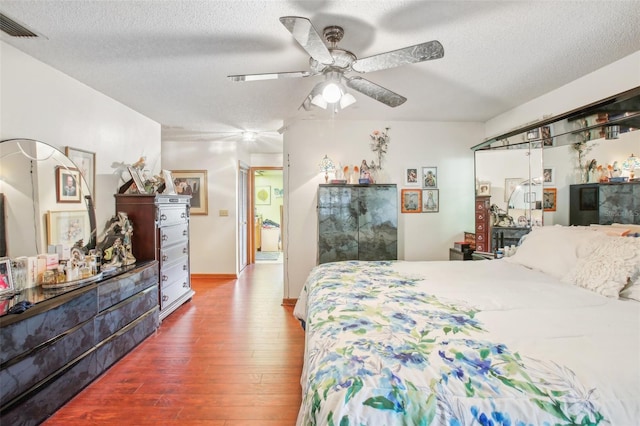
[(357, 222), (604, 203)]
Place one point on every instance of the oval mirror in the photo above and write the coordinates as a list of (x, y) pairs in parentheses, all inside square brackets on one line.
[(45, 201)]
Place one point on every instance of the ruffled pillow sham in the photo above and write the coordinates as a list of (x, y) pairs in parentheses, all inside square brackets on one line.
[(606, 265)]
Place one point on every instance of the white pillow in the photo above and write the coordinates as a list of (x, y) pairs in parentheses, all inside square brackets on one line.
[(606, 265), (552, 249)]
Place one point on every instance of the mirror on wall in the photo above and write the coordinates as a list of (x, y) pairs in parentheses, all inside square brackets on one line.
[(514, 177), (559, 150), (46, 201)]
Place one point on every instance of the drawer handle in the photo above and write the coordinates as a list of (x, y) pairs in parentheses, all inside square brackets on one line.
[(184, 250), (164, 257), (185, 285), (165, 298), (184, 267), (185, 233), (183, 215), (163, 217), (165, 237), (165, 278)]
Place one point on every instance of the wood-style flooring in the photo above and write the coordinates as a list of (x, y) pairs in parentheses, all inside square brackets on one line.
[(230, 357)]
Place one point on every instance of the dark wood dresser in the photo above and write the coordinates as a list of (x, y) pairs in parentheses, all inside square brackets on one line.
[(161, 232), (483, 223)]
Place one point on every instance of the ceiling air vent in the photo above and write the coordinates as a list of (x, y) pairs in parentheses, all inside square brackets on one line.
[(14, 29)]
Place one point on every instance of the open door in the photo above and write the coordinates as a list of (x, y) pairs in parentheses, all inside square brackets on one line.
[(266, 201)]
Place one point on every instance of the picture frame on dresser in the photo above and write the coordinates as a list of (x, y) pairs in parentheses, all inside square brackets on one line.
[(137, 179), (484, 188), (6, 280), (194, 183)]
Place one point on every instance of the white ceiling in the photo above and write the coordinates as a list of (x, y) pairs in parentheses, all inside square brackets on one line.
[(169, 59)]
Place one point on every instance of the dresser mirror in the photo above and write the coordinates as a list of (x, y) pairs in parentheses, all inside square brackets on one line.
[(38, 209)]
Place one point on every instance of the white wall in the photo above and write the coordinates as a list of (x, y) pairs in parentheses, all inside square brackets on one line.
[(614, 78), (425, 236), (213, 237), (39, 102)]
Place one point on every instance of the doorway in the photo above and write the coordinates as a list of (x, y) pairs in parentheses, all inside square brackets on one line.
[(267, 236)]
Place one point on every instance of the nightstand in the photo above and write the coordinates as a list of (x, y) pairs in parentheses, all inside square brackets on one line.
[(455, 254)]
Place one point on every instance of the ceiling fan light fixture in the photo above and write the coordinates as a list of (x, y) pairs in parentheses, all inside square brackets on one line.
[(331, 92), (319, 101), (346, 100), (249, 136)]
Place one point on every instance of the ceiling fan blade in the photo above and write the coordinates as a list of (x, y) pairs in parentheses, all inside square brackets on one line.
[(307, 36), (376, 92), (408, 55), (269, 76)]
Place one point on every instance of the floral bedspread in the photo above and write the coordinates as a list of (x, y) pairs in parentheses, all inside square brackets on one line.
[(382, 352)]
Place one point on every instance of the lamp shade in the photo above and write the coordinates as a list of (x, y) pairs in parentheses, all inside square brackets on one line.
[(326, 166)]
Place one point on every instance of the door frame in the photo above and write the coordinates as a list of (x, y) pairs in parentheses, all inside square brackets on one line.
[(251, 219)]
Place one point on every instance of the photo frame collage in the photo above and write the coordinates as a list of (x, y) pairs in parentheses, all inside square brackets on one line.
[(425, 198)]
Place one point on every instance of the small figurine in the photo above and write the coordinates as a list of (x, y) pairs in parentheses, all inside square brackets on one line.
[(365, 174), (115, 242)]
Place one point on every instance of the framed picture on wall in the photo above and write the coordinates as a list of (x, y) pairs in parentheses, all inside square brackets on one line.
[(67, 227), (411, 200), (430, 201), (411, 176), (549, 199), (194, 183), (86, 163), (429, 177), (68, 187), (263, 195), (549, 176)]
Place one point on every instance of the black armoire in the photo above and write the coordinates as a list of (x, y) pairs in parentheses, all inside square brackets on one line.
[(357, 222)]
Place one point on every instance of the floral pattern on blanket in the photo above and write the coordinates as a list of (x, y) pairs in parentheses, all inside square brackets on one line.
[(380, 352)]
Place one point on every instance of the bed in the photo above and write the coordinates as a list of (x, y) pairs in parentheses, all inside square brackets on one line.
[(549, 336)]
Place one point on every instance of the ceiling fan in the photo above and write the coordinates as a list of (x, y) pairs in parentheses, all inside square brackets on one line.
[(333, 63)]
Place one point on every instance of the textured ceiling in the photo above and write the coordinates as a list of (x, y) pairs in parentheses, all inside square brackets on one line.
[(169, 59)]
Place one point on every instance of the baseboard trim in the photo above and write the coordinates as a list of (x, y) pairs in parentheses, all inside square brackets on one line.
[(289, 302), (215, 276)]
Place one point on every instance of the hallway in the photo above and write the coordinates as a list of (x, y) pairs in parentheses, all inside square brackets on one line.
[(230, 357)]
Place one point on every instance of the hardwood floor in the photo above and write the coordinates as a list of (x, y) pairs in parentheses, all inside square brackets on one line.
[(230, 357)]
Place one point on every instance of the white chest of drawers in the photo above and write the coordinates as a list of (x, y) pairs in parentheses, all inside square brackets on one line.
[(161, 232)]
